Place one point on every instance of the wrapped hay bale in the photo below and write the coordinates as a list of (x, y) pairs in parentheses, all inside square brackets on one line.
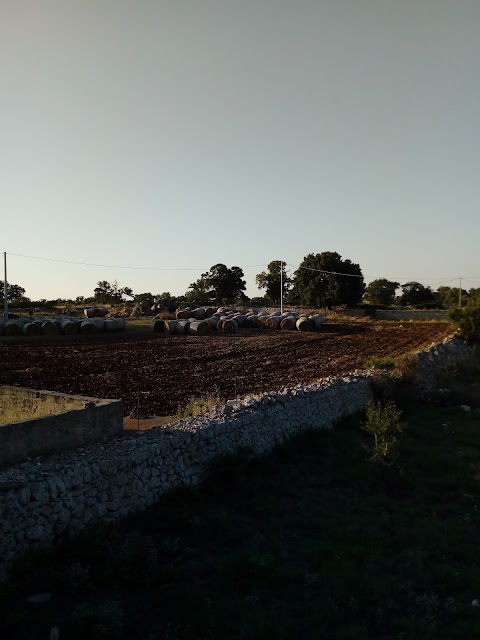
[(198, 327), (304, 324)]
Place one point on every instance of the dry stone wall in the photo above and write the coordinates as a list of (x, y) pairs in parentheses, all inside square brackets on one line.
[(43, 499)]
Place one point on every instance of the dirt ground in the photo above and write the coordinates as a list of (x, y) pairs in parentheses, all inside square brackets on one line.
[(160, 373)]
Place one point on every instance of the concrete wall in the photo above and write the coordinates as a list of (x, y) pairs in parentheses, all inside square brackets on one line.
[(40, 502), (34, 423)]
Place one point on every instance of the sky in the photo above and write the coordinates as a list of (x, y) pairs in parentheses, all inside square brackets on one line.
[(158, 138)]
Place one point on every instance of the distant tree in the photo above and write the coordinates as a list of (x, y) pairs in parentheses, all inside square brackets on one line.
[(221, 283), (474, 294), (271, 280), (14, 292), (79, 299), (166, 295), (140, 297), (325, 280), (449, 296), (110, 293), (381, 291), (414, 293), (198, 291)]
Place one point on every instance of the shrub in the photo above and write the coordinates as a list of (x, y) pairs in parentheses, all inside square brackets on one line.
[(383, 423), (467, 320)]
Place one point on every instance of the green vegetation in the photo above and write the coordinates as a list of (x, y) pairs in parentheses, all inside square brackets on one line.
[(384, 424), (326, 280), (468, 320), (220, 283), (275, 281), (14, 292), (381, 292), (380, 362), (198, 406), (313, 541)]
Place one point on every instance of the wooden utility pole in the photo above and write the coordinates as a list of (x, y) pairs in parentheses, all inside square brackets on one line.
[(5, 301)]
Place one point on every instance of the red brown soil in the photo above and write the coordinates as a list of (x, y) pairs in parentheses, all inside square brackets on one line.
[(161, 373)]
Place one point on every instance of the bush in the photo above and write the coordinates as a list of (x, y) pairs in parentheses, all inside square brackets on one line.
[(467, 320), (383, 423)]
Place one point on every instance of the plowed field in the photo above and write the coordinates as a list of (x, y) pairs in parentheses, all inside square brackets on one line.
[(160, 373)]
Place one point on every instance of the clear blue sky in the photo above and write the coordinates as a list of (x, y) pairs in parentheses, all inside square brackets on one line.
[(179, 134)]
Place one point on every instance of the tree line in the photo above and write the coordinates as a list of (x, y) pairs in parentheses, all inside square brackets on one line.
[(321, 280)]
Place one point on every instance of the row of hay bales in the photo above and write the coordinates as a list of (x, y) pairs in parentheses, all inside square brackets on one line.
[(55, 326), (202, 320)]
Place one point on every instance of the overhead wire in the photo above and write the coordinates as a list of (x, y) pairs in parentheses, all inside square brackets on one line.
[(149, 268)]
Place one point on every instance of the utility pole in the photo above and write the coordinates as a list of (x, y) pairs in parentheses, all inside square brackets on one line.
[(281, 286), (5, 301)]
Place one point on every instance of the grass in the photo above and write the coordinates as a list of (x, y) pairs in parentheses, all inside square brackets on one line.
[(198, 406), (313, 541)]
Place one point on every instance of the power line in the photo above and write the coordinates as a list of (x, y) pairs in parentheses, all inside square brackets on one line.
[(252, 266), (117, 266)]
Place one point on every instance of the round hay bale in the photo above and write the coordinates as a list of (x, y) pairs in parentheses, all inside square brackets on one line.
[(240, 319), (230, 326), (317, 321), (213, 321), (51, 328), (158, 326), (170, 326), (100, 324), (273, 322), (182, 314), (69, 328), (32, 329), (252, 321), (11, 328), (182, 327), (288, 324), (88, 327), (304, 324), (198, 327), (199, 313)]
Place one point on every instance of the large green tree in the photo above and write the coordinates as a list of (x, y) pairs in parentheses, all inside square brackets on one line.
[(381, 291), (272, 280), (222, 283), (326, 280), (14, 292), (414, 293)]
